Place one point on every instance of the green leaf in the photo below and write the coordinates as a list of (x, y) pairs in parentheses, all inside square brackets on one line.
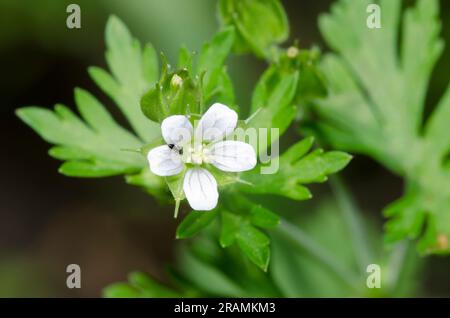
[(400, 225), (94, 151), (95, 145), (216, 84), (100, 120), (240, 227), (272, 102), (133, 72), (295, 168), (317, 165), (185, 59), (213, 54), (92, 169), (229, 229), (68, 153), (150, 64), (254, 244), (194, 222), (378, 82), (437, 130), (263, 217), (260, 24)]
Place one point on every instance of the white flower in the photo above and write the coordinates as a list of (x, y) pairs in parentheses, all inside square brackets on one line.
[(204, 147)]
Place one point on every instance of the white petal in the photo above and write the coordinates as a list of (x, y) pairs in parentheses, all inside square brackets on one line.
[(232, 156), (218, 122), (176, 130), (200, 189), (164, 161)]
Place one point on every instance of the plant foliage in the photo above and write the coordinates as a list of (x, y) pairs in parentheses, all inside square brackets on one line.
[(375, 106)]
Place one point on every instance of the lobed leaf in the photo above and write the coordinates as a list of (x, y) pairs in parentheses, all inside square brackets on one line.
[(375, 106), (296, 168), (91, 151), (133, 72)]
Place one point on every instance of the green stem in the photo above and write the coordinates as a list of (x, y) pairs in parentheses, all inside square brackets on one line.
[(304, 242), (352, 216), (177, 208)]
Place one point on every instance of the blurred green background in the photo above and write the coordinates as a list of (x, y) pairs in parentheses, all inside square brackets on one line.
[(48, 221)]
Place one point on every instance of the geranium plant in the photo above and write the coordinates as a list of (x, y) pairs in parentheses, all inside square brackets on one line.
[(363, 98)]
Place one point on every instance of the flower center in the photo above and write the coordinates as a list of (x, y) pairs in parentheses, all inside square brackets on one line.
[(197, 154)]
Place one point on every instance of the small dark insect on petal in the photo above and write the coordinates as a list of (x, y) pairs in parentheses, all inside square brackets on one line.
[(176, 148)]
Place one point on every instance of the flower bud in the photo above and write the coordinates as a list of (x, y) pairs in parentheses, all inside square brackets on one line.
[(176, 81), (292, 52)]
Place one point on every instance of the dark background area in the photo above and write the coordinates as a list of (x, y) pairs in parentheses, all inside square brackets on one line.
[(48, 221)]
